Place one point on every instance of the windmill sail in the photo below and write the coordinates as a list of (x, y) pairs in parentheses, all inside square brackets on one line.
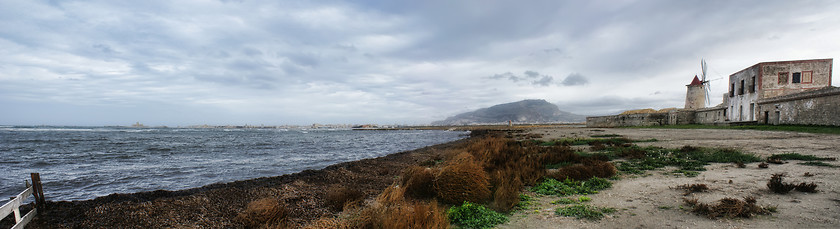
[(706, 85)]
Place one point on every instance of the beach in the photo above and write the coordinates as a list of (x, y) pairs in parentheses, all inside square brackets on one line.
[(641, 201)]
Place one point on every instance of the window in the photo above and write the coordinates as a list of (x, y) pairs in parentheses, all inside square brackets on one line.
[(752, 86), (732, 90), (741, 88), (806, 76), (783, 78), (796, 77)]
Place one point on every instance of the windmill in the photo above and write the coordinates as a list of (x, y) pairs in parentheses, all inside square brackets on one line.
[(706, 85)]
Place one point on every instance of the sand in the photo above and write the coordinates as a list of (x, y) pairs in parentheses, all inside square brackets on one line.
[(651, 202)]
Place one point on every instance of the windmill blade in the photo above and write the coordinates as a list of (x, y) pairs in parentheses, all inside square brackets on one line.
[(707, 87), (703, 69)]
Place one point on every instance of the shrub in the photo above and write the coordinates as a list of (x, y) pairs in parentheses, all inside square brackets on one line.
[(777, 185), (338, 196), (582, 211), (419, 182), (263, 212), (462, 181), (470, 215), (763, 165), (727, 207), (413, 214), (585, 171), (803, 187), (692, 188), (506, 191)]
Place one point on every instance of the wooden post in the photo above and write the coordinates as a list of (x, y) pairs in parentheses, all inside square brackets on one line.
[(38, 191)]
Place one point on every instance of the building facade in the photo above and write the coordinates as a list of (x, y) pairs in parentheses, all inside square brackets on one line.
[(773, 79)]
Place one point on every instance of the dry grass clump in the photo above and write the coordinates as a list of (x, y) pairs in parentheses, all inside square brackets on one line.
[(263, 213), (419, 182), (775, 160), (763, 165), (338, 196), (692, 188), (505, 190), (777, 185), (803, 187), (728, 207), (589, 169), (392, 210), (462, 181)]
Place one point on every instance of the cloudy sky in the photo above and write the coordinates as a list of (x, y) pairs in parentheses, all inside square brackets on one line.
[(405, 62)]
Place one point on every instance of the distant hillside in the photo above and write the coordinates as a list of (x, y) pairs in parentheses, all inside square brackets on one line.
[(525, 111)]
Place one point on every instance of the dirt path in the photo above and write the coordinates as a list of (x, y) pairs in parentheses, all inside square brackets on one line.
[(649, 201)]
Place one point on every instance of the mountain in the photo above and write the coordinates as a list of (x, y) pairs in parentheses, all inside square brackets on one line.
[(525, 111)]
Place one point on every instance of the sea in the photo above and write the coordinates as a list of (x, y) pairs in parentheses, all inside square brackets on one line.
[(78, 163)]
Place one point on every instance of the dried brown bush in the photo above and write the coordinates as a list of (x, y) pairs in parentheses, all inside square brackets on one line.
[(392, 194), (266, 212), (775, 160), (688, 148), (763, 165), (462, 181), (558, 154), (803, 187), (598, 146), (419, 182), (585, 171), (401, 214), (740, 164), (727, 207), (777, 185), (505, 190), (632, 153), (338, 196), (692, 188), (326, 223)]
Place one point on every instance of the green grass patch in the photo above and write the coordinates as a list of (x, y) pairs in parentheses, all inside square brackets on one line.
[(565, 201), (800, 157), (524, 201), (688, 160), (817, 163), (584, 199), (571, 187), (470, 215), (791, 128), (583, 211), (606, 136)]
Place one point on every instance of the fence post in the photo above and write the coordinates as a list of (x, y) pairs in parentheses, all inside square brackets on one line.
[(38, 191)]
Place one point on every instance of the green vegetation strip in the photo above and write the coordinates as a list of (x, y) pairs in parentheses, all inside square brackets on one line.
[(571, 187), (800, 157), (583, 211), (689, 160), (470, 215), (792, 128)]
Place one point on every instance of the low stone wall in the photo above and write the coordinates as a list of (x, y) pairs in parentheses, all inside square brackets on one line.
[(818, 107), (711, 116), (649, 119)]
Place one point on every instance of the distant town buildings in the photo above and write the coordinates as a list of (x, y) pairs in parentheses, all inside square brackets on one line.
[(780, 92)]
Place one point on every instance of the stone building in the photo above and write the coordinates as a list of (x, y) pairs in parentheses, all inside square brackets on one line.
[(780, 92), (773, 79)]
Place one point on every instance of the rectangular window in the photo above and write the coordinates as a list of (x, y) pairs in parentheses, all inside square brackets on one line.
[(752, 85), (806, 76), (741, 88), (783, 78), (796, 77), (732, 90)]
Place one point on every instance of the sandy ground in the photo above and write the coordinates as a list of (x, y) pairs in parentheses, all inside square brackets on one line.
[(649, 201)]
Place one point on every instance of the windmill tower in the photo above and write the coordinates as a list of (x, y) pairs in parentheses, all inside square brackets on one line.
[(697, 94)]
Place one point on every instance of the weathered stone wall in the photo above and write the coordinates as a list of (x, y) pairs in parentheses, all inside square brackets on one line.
[(677, 117), (712, 115), (649, 119), (695, 96), (819, 107)]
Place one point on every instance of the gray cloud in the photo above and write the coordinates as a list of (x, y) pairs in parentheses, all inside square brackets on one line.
[(574, 79), (403, 62)]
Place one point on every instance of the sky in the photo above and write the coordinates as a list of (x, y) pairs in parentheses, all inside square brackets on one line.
[(193, 62)]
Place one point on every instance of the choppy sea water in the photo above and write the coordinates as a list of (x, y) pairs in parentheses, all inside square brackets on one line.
[(78, 163)]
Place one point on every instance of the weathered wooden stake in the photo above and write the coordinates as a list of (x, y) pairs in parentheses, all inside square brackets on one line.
[(38, 192)]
